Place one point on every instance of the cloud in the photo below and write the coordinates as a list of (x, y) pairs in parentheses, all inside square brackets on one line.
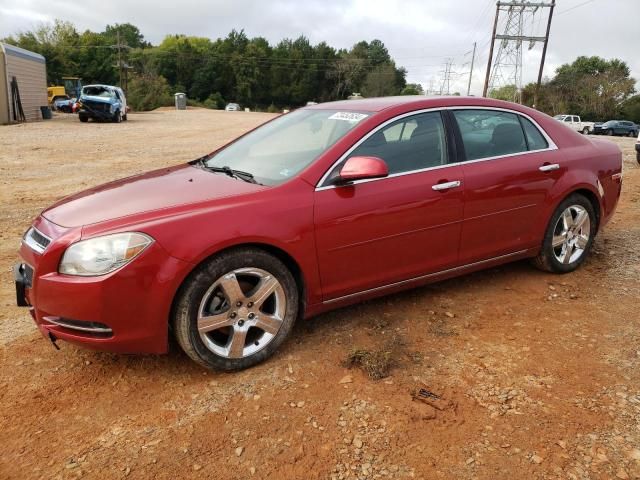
[(420, 34)]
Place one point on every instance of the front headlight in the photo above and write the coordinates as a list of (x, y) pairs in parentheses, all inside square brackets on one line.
[(101, 255)]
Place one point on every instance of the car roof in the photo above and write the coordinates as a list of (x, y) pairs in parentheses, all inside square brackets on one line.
[(418, 101)]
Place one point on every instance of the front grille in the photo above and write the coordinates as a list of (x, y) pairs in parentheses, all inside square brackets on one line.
[(36, 240), (97, 107)]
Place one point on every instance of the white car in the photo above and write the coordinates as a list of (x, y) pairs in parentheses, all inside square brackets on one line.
[(574, 122), (232, 107)]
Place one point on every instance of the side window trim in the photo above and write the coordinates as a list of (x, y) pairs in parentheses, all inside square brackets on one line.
[(445, 112)]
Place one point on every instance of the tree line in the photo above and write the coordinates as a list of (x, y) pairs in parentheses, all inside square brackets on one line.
[(249, 71), (592, 87)]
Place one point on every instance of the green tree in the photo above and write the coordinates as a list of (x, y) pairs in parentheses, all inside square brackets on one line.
[(147, 92), (507, 92), (412, 89)]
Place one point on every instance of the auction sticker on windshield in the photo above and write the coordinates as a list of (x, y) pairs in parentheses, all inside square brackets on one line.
[(348, 116)]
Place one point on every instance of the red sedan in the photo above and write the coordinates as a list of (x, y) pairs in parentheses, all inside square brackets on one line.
[(316, 209)]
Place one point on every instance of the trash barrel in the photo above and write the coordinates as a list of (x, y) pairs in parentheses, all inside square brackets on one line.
[(181, 101), (46, 113)]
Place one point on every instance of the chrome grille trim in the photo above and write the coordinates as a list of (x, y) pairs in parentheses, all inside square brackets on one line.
[(36, 240)]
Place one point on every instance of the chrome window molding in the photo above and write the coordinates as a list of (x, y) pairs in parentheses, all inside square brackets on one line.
[(30, 241), (321, 184)]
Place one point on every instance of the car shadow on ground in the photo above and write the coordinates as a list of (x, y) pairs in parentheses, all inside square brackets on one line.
[(308, 334)]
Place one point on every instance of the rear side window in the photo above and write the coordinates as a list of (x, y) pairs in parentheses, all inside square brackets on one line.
[(535, 139), (490, 133)]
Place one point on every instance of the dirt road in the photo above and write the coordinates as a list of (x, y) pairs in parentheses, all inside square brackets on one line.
[(537, 374)]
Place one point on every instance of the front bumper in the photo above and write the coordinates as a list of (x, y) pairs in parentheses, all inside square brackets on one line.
[(126, 311)]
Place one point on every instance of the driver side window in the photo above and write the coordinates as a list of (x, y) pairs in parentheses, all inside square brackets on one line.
[(411, 143)]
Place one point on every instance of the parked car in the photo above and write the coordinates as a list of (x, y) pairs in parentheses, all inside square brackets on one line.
[(616, 127), (575, 122), (638, 149), (232, 107), (64, 105), (319, 208), (102, 102)]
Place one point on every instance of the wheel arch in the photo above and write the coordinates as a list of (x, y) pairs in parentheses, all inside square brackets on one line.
[(288, 260)]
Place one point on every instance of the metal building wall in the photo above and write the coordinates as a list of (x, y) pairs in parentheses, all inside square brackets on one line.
[(31, 73)]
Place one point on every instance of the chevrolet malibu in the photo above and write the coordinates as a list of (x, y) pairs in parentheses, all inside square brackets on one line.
[(323, 207)]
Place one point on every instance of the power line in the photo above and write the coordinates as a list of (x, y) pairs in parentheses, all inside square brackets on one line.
[(574, 7)]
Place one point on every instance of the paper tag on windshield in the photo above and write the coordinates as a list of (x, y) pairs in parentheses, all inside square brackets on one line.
[(348, 116)]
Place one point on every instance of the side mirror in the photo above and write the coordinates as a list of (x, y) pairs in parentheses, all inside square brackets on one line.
[(361, 168)]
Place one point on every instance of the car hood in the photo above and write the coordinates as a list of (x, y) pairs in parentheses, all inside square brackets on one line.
[(156, 190)]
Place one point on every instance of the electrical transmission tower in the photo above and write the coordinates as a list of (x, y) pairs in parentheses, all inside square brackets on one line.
[(445, 86), (507, 68)]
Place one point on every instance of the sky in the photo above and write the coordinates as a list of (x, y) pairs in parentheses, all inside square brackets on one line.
[(421, 35)]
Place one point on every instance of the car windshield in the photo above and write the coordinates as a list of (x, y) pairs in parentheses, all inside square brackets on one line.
[(283, 147), (98, 92)]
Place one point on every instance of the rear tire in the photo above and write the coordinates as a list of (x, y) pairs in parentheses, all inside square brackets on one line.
[(235, 309), (569, 236), (632, 134), (585, 130)]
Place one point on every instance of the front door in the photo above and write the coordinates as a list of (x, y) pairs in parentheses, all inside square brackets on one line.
[(377, 232)]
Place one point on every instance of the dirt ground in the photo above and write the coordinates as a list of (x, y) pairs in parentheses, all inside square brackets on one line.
[(537, 374)]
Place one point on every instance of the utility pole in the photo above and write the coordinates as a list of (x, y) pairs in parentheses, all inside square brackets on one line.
[(493, 39), (544, 54), (121, 66), (507, 68), (473, 57), (119, 56)]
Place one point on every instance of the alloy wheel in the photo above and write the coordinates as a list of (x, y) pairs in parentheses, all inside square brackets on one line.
[(241, 312), (571, 234)]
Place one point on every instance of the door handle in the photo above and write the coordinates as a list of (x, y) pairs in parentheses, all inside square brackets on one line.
[(446, 185), (549, 167)]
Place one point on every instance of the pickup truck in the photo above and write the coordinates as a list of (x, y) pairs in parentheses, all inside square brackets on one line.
[(574, 122), (102, 102)]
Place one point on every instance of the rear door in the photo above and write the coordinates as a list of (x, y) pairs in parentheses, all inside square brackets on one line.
[(373, 233), (510, 165)]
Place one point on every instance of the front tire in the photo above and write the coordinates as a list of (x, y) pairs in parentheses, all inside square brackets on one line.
[(236, 309), (117, 117), (610, 132), (83, 118), (569, 236)]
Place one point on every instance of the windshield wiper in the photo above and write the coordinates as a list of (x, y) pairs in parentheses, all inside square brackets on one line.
[(246, 176)]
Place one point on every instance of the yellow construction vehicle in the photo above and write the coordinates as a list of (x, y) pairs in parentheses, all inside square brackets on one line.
[(70, 90)]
